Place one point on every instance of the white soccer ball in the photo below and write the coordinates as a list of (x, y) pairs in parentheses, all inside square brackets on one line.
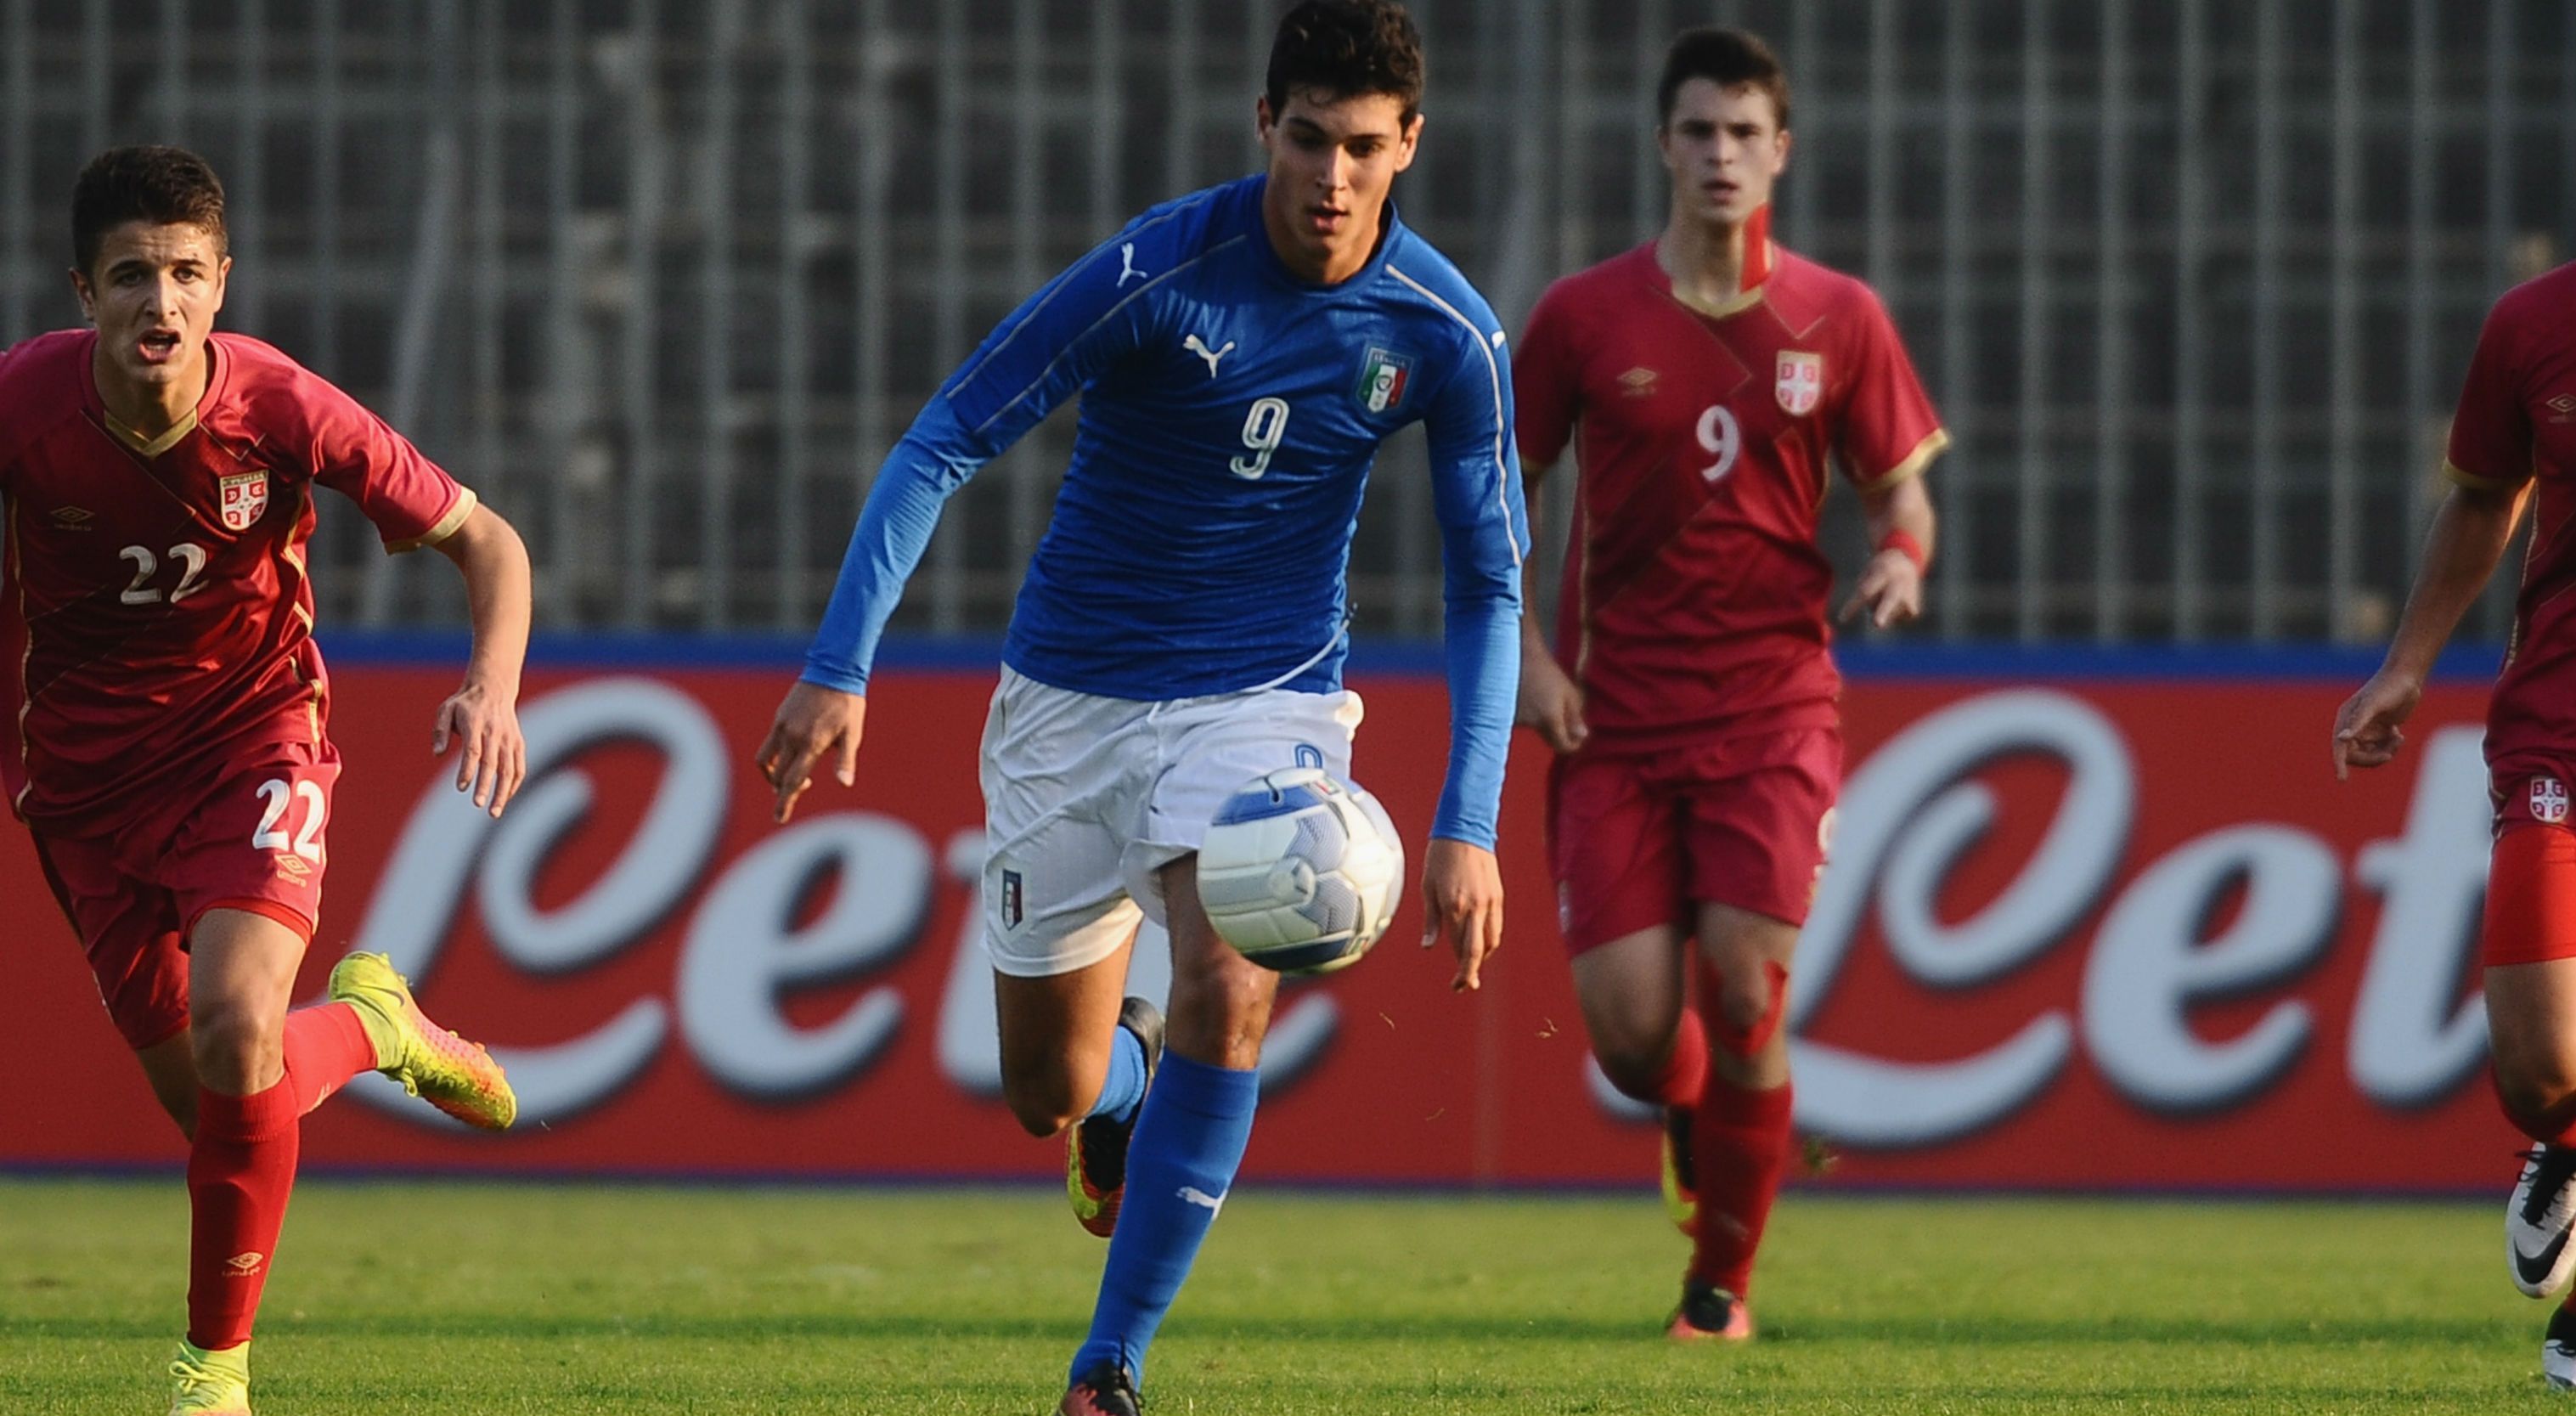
[(1301, 873)]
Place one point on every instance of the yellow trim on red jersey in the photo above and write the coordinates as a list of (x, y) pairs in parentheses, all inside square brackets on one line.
[(2476, 483), (1724, 309), (144, 447), (291, 551), (446, 527), (1912, 464)]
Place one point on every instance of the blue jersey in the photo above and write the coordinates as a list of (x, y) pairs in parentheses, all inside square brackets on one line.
[(1229, 414)]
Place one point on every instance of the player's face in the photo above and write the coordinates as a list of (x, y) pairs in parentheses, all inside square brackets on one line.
[(153, 293), (1724, 149), (1331, 164)]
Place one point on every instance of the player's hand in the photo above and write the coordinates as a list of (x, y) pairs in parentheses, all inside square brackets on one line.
[(813, 722), (485, 722), (2367, 732), (1551, 703), (1462, 897), (1891, 588)]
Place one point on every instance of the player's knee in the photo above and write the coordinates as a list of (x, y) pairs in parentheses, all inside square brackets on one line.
[(1749, 1003), (2537, 1091), (1633, 1053), (1040, 1098), (235, 1049)]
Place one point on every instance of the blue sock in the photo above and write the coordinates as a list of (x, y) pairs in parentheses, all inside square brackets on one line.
[(1124, 1087), (1189, 1139)]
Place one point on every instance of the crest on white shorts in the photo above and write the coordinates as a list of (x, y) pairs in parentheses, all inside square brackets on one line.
[(1014, 903), (1801, 385), (244, 499), (2548, 800)]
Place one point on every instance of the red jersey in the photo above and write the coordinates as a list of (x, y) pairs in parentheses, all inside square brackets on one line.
[(1695, 595), (155, 615), (2517, 423)]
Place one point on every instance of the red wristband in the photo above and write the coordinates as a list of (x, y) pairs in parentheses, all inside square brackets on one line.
[(1903, 543)]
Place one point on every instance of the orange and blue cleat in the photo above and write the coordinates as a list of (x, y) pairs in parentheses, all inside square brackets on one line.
[(1095, 1150)]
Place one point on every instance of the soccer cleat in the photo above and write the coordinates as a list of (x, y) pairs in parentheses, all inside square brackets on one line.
[(1095, 1150), (1103, 1391), (1710, 1314), (456, 1076), (2538, 1218), (1681, 1187), (2558, 1351), (206, 1383)]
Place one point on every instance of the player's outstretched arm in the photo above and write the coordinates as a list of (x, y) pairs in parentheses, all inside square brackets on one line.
[(1043, 353), (482, 716), (1484, 542), (1901, 527), (2468, 538)]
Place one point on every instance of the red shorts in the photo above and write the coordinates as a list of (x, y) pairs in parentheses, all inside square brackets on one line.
[(1743, 821), (252, 841)]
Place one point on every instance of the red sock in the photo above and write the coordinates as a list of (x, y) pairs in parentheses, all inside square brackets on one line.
[(325, 1047), (240, 1170), (1739, 1147), (1686, 1069)]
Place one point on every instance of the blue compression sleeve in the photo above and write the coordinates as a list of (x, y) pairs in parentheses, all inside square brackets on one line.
[(1482, 652), (1484, 533), (932, 461)]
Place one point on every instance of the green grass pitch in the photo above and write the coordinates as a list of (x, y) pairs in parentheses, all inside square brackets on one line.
[(451, 1299)]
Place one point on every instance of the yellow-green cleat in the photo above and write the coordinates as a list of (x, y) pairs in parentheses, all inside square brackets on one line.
[(1681, 1188), (206, 1383), (456, 1076)]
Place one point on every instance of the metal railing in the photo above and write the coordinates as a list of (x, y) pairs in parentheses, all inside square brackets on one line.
[(2193, 282)]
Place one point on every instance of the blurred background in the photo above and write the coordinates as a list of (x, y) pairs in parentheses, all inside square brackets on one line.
[(2193, 283)]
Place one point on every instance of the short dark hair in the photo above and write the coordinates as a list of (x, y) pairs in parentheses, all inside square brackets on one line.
[(1728, 58), (162, 185), (1346, 49)]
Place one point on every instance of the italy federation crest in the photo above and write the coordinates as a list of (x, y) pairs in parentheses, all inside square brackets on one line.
[(1801, 384), (244, 499), (2548, 800), (1383, 375)]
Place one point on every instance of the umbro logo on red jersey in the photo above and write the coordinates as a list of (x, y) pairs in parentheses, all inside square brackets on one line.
[(1638, 382), (2564, 405), (74, 518)]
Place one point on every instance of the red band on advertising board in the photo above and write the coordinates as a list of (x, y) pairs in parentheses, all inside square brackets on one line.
[(2117, 934)]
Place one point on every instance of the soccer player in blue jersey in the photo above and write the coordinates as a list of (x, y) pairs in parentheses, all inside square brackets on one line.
[(1241, 353)]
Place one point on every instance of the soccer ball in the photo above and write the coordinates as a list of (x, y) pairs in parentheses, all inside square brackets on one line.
[(1301, 873)]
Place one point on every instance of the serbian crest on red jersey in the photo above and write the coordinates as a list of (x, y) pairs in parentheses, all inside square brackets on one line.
[(244, 498), (1802, 381), (2548, 800)]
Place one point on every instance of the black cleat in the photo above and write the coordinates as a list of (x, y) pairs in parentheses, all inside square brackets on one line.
[(2537, 1220), (1095, 1150), (1103, 1391), (1709, 1314)]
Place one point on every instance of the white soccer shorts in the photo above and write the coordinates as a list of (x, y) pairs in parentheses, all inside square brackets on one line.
[(1085, 798)]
